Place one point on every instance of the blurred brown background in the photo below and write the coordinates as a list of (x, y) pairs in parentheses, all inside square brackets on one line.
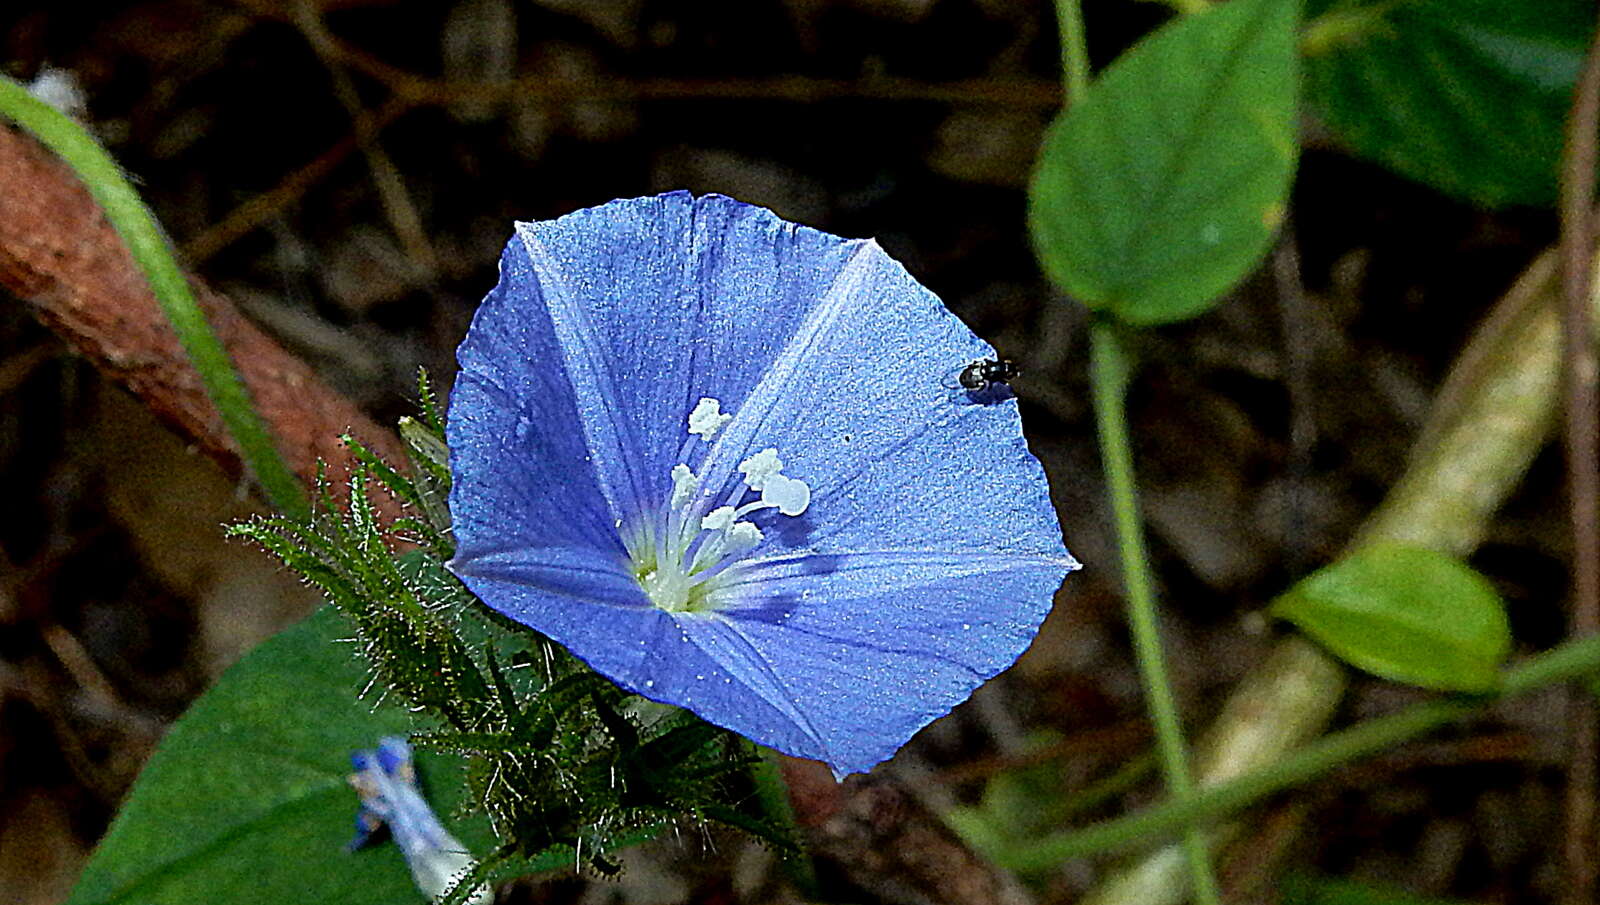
[(347, 174)]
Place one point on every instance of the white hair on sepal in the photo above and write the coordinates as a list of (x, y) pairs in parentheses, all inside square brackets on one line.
[(60, 89)]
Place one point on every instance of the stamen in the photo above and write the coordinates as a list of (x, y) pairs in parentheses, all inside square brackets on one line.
[(789, 495), (707, 418), (748, 508), (741, 537), (712, 551), (683, 486), (719, 519), (759, 467), (728, 564), (690, 550)]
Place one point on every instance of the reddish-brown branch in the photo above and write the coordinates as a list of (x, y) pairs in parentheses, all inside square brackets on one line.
[(889, 843), (59, 254)]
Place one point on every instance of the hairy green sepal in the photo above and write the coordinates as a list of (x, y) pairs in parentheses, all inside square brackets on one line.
[(559, 758)]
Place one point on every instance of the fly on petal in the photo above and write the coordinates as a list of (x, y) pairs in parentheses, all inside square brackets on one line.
[(726, 460)]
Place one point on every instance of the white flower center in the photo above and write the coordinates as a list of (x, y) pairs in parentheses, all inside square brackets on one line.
[(677, 558)]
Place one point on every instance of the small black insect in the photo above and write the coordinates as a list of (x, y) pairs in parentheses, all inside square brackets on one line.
[(985, 372)]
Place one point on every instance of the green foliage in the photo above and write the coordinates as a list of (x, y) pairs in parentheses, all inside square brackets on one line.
[(1163, 185), (1015, 804), (562, 761), (1468, 96), (1407, 614), (1020, 805), (1305, 889), (246, 802)]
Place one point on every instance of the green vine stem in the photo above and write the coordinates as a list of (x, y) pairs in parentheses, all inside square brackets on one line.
[(1571, 660), (1494, 412), (1109, 369), (153, 253)]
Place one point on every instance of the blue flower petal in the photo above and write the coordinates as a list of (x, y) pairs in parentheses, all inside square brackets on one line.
[(873, 365), (522, 474), (647, 651), (874, 646), (929, 551), (692, 297), (967, 483), (574, 596)]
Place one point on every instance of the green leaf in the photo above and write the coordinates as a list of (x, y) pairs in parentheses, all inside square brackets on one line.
[(1468, 96), (1407, 614), (1163, 185), (245, 801)]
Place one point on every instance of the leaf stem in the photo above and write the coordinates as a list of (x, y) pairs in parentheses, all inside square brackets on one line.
[(151, 250), (1074, 51), (1571, 660), (1109, 370)]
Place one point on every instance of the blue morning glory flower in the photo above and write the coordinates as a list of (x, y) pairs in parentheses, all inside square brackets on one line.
[(729, 463)]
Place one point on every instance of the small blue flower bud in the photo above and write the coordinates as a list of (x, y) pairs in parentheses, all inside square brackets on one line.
[(386, 782)]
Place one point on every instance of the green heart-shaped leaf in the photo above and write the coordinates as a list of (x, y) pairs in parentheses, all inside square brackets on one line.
[(1163, 185)]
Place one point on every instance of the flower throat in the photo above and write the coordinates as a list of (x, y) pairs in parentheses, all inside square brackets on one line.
[(677, 557)]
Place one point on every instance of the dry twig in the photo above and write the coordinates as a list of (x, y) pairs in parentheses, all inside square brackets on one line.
[(1582, 436)]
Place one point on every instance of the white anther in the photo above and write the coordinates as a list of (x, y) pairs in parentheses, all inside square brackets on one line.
[(675, 578), (791, 496), (683, 486), (707, 418), (759, 467), (718, 519), (741, 537)]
